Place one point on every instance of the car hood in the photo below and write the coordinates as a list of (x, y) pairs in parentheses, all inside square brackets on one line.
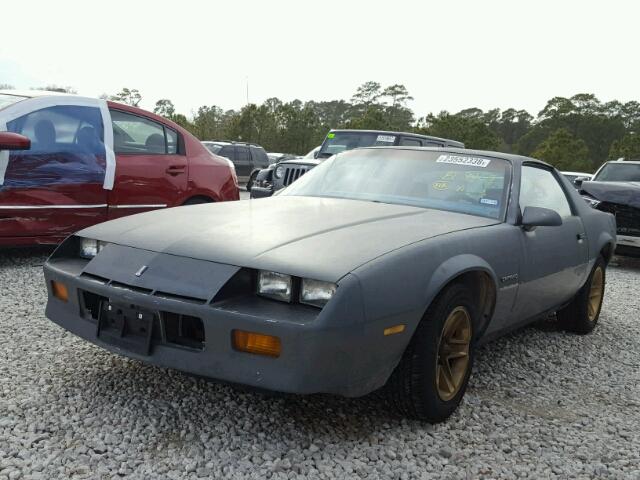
[(625, 193), (302, 161), (312, 237)]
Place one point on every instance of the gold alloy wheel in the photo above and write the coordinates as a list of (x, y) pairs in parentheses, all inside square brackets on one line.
[(453, 353), (595, 293)]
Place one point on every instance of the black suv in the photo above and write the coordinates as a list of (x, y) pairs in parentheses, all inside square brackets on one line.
[(248, 158), (284, 173)]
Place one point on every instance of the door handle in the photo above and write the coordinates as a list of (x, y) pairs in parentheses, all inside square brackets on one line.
[(175, 169), (581, 236)]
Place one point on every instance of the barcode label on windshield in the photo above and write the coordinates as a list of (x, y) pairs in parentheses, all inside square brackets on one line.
[(464, 160), (386, 138)]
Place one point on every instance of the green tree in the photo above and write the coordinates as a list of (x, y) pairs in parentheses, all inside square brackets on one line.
[(367, 94), (165, 107), (628, 147), (399, 116), (564, 151), (472, 131), (129, 96)]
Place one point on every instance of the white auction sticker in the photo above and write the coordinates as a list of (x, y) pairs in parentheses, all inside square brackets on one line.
[(464, 160), (386, 138)]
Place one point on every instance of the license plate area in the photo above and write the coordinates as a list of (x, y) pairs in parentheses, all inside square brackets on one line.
[(126, 326)]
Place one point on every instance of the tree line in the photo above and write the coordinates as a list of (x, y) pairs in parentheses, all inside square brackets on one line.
[(576, 133)]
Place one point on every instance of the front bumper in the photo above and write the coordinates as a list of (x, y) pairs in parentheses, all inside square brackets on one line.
[(330, 351), (628, 245)]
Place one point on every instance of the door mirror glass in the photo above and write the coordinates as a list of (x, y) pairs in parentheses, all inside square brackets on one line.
[(14, 141), (540, 217)]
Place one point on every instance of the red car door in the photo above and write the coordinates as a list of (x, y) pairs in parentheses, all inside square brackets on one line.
[(56, 187), (151, 170)]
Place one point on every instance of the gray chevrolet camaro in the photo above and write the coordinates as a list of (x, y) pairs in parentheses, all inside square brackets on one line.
[(382, 267)]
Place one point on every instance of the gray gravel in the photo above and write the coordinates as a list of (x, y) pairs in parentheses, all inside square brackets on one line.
[(541, 404)]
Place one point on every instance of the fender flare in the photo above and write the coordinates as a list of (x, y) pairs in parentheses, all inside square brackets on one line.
[(452, 268)]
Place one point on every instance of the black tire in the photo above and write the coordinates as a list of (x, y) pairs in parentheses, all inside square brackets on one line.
[(197, 201), (252, 179), (412, 387), (582, 314)]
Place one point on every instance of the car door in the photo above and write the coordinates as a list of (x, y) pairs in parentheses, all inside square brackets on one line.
[(555, 258), (57, 186), (151, 172)]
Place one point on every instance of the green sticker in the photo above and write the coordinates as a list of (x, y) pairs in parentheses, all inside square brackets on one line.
[(331, 135)]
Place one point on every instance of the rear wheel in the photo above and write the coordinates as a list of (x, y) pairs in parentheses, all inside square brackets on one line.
[(432, 376), (582, 314)]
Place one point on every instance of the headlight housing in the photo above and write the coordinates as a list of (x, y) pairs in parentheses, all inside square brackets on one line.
[(316, 293), (89, 247), (279, 171), (593, 202), (274, 285)]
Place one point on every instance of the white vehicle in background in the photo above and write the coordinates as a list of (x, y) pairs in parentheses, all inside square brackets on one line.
[(571, 176)]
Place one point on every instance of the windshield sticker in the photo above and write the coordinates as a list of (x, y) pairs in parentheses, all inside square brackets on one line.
[(489, 201), (386, 138), (463, 160), (440, 185), (331, 135)]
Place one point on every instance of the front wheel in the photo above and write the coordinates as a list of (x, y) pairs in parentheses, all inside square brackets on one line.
[(432, 376), (582, 314)]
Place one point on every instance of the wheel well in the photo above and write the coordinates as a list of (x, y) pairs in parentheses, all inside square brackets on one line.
[(482, 286), (198, 199), (607, 252)]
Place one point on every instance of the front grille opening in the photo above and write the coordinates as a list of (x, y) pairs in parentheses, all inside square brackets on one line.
[(91, 305), (242, 283), (183, 330)]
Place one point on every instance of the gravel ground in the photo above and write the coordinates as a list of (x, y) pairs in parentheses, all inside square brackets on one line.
[(541, 403)]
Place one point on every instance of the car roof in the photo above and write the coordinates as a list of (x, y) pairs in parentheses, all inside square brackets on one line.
[(389, 132), (34, 93), (514, 159), (622, 162)]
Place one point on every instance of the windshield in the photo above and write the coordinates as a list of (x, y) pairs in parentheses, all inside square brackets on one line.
[(337, 142), (619, 172), (6, 100), (443, 181)]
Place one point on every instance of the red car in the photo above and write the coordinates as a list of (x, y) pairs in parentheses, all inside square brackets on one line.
[(91, 160)]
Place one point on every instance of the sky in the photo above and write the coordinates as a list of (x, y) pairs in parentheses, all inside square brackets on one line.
[(450, 54)]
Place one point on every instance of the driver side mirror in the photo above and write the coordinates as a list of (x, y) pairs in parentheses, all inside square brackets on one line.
[(533, 217), (578, 181), (14, 141)]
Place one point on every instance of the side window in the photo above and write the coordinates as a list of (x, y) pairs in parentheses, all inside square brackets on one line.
[(172, 141), (66, 148), (62, 128), (229, 152), (410, 142), (243, 154), (259, 157), (539, 188), (135, 134)]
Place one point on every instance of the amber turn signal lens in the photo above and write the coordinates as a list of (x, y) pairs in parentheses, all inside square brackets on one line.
[(60, 291), (256, 343), (393, 330)]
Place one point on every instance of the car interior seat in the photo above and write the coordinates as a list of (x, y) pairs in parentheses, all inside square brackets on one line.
[(45, 134), (87, 139), (155, 143)]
